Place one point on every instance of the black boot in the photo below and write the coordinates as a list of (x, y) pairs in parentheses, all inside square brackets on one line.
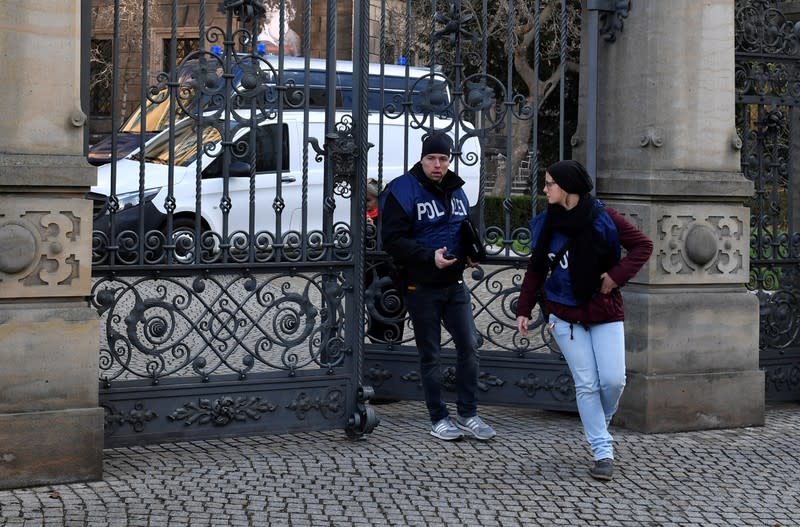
[(602, 469)]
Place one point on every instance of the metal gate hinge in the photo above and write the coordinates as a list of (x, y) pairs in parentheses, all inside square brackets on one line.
[(611, 14), (600, 5)]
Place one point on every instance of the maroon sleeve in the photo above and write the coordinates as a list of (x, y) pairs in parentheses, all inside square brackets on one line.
[(527, 294), (638, 247)]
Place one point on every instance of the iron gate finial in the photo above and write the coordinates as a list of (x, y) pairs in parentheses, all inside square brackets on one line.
[(246, 11)]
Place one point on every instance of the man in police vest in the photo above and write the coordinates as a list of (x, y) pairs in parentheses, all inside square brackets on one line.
[(422, 212)]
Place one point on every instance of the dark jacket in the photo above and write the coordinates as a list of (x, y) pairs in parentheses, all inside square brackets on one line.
[(414, 259), (602, 308)]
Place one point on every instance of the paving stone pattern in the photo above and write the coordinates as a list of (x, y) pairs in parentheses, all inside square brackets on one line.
[(532, 473)]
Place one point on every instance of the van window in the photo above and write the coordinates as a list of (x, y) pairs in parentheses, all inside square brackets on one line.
[(434, 94), (317, 94), (266, 151)]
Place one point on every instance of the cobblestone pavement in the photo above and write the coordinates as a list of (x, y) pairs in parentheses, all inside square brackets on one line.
[(532, 473)]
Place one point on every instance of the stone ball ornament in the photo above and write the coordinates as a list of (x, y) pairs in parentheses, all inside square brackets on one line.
[(701, 244), (18, 248)]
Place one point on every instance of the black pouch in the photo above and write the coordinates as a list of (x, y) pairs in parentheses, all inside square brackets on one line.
[(399, 276), (471, 242)]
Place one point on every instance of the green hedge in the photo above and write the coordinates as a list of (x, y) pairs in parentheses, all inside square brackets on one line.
[(520, 210)]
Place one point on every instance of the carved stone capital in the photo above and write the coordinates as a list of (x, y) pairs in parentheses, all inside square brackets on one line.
[(702, 244), (45, 246), (693, 243)]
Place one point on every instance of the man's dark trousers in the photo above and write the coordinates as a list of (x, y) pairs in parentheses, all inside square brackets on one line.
[(428, 308)]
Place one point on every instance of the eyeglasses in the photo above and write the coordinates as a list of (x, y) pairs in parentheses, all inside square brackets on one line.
[(549, 184)]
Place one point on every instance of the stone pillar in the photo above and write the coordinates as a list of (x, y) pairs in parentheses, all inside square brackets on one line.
[(51, 426), (668, 159)]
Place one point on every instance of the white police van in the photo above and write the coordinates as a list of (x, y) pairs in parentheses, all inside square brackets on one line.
[(204, 166), (387, 86), (192, 169), (185, 170)]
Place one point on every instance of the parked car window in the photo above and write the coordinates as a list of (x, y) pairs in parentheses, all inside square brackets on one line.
[(157, 117), (157, 151)]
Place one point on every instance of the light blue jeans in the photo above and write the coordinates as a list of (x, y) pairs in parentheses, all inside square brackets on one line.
[(596, 358)]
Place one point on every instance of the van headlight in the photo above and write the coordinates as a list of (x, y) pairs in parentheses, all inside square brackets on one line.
[(131, 199)]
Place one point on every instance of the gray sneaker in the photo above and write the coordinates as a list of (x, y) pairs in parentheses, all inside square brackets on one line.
[(603, 469), (475, 426), (445, 429)]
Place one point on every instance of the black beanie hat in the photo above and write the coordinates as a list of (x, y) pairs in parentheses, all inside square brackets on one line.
[(437, 143), (571, 177)]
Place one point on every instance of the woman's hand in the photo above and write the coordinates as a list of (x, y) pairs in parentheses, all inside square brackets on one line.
[(522, 325), (608, 284)]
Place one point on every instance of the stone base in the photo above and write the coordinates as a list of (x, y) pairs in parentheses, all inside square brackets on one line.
[(48, 357), (698, 401), (47, 448)]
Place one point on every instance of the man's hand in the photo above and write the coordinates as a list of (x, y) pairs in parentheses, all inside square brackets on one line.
[(439, 258)]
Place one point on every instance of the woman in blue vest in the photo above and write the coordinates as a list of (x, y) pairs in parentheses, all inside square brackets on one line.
[(575, 272), (421, 213)]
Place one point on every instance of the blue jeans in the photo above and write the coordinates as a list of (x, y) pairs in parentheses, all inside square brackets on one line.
[(596, 358), (428, 308)]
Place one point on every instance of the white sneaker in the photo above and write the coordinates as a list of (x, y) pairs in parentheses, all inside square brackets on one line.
[(445, 430), (475, 426)]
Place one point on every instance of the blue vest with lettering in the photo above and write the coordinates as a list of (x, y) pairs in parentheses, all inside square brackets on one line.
[(558, 286), (435, 225)]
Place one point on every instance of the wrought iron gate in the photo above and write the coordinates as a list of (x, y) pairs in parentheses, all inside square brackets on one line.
[(768, 122), (520, 108), (227, 259), (240, 287)]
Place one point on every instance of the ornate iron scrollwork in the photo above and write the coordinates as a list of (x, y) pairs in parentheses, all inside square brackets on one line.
[(560, 387), (222, 411), (137, 417), (763, 28), (378, 374), (341, 149), (329, 405), (455, 26), (217, 324)]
